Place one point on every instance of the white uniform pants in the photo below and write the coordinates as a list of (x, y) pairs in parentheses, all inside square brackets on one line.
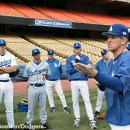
[(6, 90), (36, 95), (99, 99), (77, 88), (58, 88), (115, 127)]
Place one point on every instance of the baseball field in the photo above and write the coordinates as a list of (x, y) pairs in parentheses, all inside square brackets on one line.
[(59, 120)]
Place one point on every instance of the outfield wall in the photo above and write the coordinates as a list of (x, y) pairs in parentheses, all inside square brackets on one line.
[(19, 77)]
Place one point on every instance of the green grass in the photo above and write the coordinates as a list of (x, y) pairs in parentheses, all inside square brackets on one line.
[(58, 120)]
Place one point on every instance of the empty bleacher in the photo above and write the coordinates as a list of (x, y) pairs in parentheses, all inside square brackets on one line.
[(28, 11), (101, 18), (124, 18), (48, 43), (52, 13), (6, 10), (62, 46), (62, 15), (19, 10), (22, 49)]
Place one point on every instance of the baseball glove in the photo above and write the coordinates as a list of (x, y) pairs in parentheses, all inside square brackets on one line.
[(101, 87), (13, 74), (101, 116), (25, 101)]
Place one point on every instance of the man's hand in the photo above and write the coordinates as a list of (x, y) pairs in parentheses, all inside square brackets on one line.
[(85, 69), (77, 57), (45, 76), (96, 82)]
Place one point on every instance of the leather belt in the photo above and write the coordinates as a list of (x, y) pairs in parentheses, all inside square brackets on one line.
[(4, 80), (37, 85)]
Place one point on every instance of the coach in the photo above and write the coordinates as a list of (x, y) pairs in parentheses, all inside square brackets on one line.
[(79, 85), (117, 84)]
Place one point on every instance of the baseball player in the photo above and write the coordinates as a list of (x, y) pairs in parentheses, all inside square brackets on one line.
[(7, 65), (117, 87), (128, 47), (102, 66), (79, 85), (53, 80), (36, 71)]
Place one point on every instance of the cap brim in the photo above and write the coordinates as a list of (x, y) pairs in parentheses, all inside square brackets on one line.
[(103, 54), (110, 33), (3, 44), (35, 53), (77, 47)]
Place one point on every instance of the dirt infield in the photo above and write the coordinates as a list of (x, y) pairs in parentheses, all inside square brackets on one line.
[(20, 88)]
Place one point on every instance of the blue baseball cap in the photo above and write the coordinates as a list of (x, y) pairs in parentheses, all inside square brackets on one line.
[(50, 52), (35, 52), (103, 52), (77, 45), (128, 46), (2, 42), (118, 30)]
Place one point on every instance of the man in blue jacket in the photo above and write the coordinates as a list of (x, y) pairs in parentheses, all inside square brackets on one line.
[(102, 66), (117, 86), (53, 80), (79, 85)]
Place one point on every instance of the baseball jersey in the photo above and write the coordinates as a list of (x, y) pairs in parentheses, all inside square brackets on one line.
[(35, 72), (118, 97), (56, 69), (7, 60)]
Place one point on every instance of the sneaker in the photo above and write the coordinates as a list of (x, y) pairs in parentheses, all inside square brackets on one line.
[(96, 113), (93, 124), (52, 109), (66, 109), (45, 126), (76, 122)]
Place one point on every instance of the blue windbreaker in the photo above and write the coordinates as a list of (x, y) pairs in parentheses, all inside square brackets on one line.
[(56, 69), (73, 74)]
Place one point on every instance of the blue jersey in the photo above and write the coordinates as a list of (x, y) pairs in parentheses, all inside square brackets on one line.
[(118, 103), (73, 74), (103, 65), (56, 69)]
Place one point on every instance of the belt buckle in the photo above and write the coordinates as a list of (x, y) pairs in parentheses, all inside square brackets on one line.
[(36, 85)]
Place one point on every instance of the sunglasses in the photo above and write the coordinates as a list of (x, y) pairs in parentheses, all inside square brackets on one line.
[(2, 45)]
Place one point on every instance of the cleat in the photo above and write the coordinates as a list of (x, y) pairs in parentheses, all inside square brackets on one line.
[(93, 124), (96, 113), (76, 122), (45, 126), (52, 109), (66, 109)]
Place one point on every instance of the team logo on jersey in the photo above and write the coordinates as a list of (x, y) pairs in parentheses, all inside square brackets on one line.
[(110, 29), (37, 72), (5, 63), (124, 33), (55, 65), (113, 73)]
